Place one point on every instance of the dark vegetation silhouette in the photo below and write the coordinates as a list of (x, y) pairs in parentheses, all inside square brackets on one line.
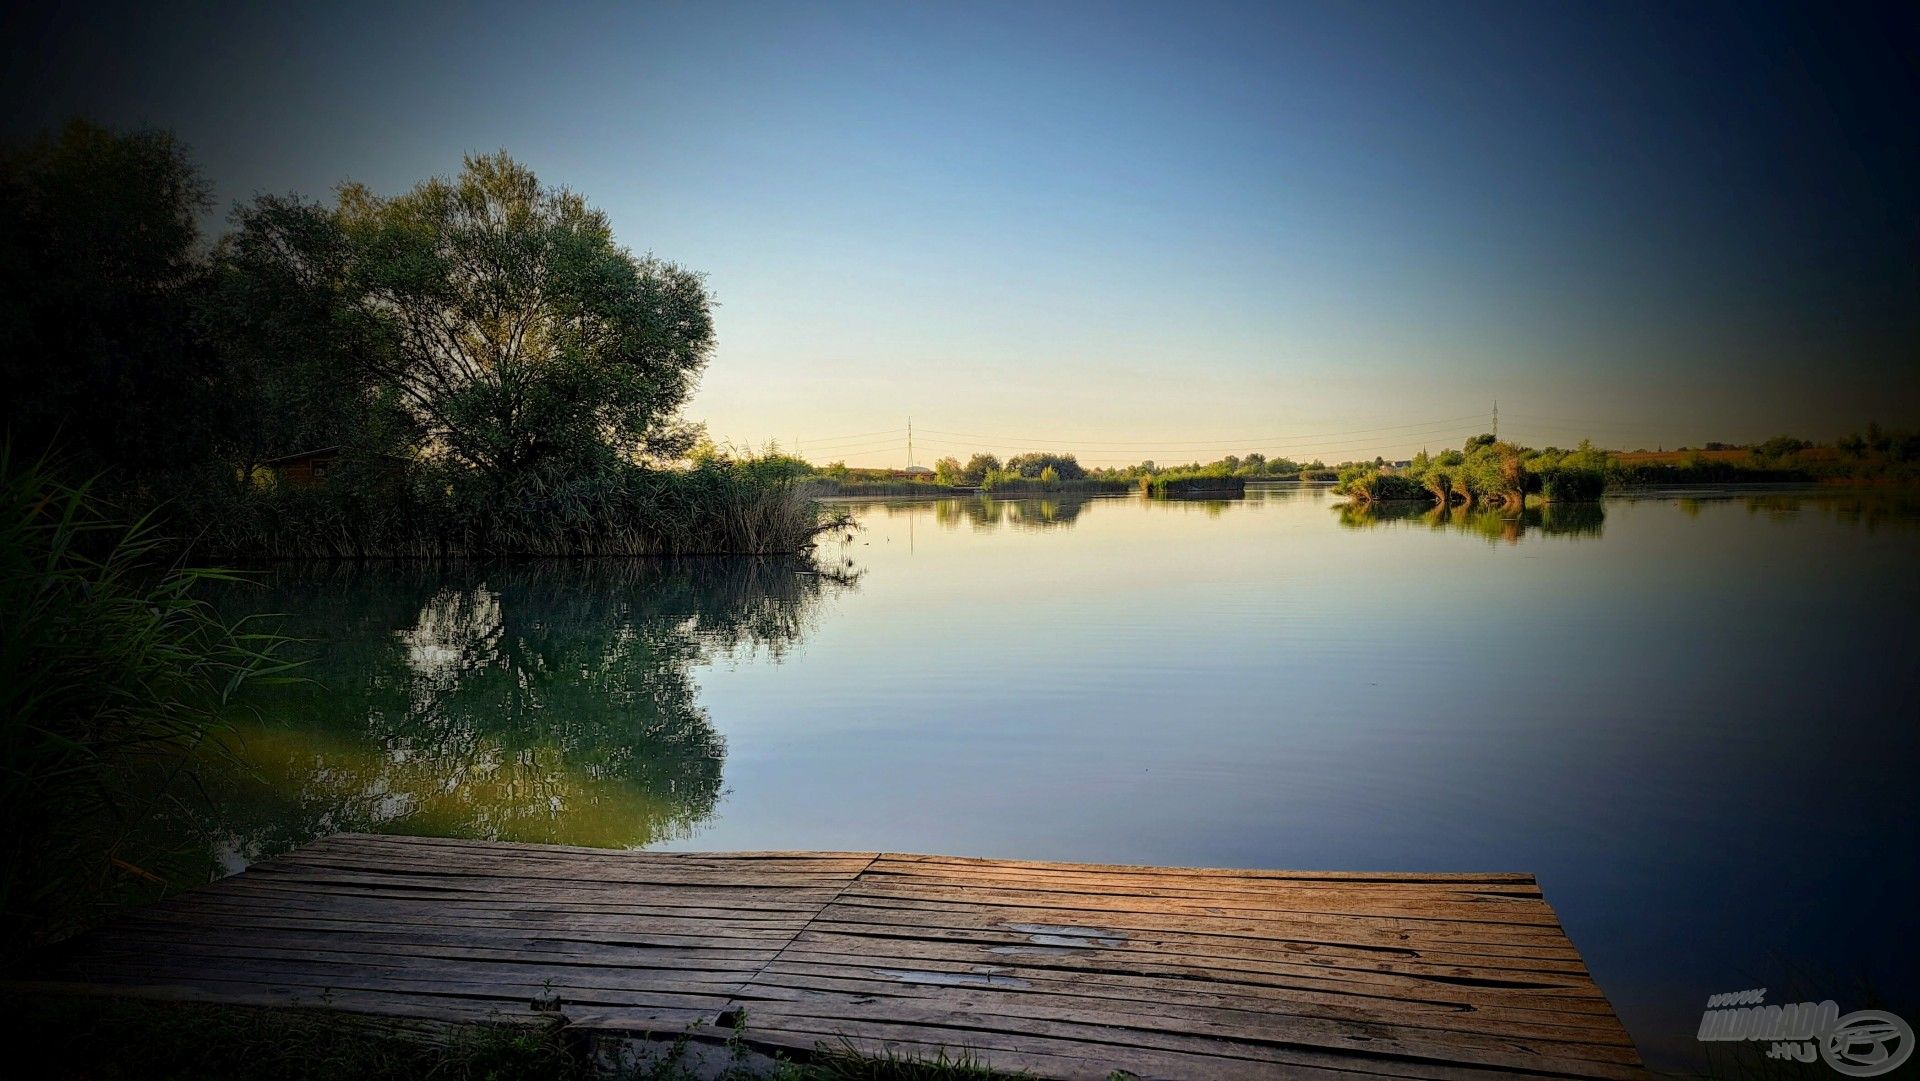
[(471, 367)]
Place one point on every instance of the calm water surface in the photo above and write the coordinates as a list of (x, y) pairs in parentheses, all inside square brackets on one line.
[(1693, 717)]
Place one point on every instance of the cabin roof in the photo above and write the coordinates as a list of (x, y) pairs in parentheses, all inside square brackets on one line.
[(314, 453)]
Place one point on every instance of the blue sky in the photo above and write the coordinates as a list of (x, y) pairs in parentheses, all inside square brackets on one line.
[(1163, 231)]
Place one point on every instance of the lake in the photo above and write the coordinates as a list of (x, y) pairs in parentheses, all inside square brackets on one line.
[(1692, 715)]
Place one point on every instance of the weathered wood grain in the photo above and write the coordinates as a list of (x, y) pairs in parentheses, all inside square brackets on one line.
[(1065, 970)]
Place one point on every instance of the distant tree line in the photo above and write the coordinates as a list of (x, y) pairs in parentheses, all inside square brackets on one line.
[(1483, 470), (1488, 471)]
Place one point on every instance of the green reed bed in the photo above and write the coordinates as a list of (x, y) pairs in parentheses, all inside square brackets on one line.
[(825, 486), (1484, 472), (716, 507), (1003, 485), (1207, 481), (111, 665)]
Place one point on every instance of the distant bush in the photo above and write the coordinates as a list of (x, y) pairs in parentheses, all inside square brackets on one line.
[(1033, 466), (1210, 480), (1375, 486), (1004, 483), (1780, 446), (826, 485), (1572, 484)]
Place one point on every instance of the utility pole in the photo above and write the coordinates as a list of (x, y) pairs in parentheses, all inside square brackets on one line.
[(1496, 420), (909, 442)]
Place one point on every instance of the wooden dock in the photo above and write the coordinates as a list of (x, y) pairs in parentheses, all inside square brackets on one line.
[(1065, 970)]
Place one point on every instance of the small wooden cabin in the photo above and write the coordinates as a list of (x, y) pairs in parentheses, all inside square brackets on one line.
[(305, 469)]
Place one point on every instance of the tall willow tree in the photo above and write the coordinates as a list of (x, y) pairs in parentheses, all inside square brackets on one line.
[(514, 329), (497, 316)]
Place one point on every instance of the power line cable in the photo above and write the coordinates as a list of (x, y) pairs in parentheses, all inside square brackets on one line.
[(852, 435), (1404, 439), (1218, 442), (1238, 444)]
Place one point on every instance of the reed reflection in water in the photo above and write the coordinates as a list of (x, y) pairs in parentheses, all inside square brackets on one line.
[(1493, 523)]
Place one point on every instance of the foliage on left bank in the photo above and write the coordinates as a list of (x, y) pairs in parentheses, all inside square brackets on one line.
[(472, 367), (114, 667)]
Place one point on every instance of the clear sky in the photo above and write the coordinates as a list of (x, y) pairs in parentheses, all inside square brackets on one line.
[(1167, 231)]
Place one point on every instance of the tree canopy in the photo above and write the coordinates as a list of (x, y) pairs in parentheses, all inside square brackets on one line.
[(498, 313), (1065, 466)]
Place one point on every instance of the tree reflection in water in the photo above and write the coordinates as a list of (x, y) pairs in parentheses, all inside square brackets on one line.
[(1871, 510), (531, 702), (985, 514), (1493, 523)]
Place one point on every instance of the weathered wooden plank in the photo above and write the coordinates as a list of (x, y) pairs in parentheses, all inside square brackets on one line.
[(1278, 1041), (881, 980), (1427, 986), (520, 850), (216, 992), (1282, 926), (616, 1021), (307, 965), (608, 874), (1251, 875), (1246, 1018), (236, 892), (1029, 1056), (1151, 983), (1069, 878), (282, 942), (1009, 941), (1276, 958), (514, 992), (377, 936), (794, 892), (1487, 911), (613, 905), (1213, 938), (1001, 1045)]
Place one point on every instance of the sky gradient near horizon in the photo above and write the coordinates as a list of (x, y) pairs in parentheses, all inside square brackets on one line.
[(1142, 231)]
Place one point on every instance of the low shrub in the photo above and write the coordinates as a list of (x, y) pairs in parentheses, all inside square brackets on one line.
[(1572, 484), (1375, 486), (1207, 481)]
